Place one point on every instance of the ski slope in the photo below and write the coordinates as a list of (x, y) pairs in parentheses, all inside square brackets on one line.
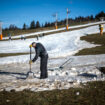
[(54, 30), (58, 45)]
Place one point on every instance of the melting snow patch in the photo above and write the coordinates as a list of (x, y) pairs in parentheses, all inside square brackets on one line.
[(63, 79)]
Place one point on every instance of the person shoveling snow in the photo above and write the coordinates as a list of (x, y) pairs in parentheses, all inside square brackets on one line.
[(42, 53)]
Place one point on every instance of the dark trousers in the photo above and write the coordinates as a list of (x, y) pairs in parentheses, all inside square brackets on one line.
[(43, 67)]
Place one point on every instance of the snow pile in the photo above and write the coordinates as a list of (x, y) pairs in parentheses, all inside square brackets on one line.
[(59, 80), (13, 76)]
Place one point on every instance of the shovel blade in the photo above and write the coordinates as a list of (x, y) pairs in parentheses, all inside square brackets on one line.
[(30, 75)]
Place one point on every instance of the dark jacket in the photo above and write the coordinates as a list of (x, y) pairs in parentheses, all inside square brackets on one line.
[(40, 51)]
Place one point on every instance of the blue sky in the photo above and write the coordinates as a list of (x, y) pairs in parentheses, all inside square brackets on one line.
[(24, 11)]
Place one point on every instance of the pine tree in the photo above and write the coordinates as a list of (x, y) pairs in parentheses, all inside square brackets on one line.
[(24, 26), (37, 24), (32, 25), (46, 24), (99, 15), (13, 27), (91, 17)]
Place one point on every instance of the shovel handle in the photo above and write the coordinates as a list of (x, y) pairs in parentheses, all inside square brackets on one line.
[(30, 52), (30, 67), (30, 57)]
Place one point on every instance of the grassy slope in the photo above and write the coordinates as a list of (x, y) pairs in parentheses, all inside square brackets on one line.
[(11, 54), (96, 39), (15, 32), (19, 32), (92, 94)]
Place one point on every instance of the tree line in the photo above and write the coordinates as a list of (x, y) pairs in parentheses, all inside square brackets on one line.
[(35, 25)]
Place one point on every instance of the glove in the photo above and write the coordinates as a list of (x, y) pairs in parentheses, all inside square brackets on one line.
[(30, 46), (30, 62)]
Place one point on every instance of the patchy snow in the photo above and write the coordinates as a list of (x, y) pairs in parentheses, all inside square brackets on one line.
[(81, 70), (60, 47)]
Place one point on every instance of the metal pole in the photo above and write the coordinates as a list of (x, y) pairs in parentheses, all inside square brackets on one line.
[(56, 21), (1, 36), (66, 62), (67, 19), (30, 58)]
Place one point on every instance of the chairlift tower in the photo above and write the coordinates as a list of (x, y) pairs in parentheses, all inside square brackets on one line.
[(67, 25), (56, 20)]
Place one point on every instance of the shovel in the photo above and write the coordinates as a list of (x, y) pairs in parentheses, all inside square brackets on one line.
[(30, 74)]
